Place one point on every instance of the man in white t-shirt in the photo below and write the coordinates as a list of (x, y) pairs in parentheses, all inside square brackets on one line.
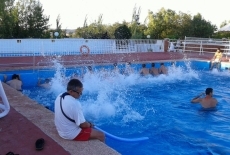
[(69, 119)]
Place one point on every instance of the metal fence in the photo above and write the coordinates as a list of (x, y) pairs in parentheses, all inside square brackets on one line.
[(200, 45)]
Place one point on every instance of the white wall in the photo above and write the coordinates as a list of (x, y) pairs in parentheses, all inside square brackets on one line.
[(22, 47)]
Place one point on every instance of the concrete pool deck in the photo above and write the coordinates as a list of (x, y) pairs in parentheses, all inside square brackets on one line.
[(28, 121)]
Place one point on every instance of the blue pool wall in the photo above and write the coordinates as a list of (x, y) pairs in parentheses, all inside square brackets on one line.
[(30, 77)]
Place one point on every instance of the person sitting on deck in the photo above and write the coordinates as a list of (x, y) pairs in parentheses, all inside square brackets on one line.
[(153, 70), (68, 115), (144, 70), (15, 83), (208, 101), (216, 60), (162, 69)]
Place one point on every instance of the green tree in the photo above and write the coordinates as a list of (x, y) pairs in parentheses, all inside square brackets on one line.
[(184, 27), (224, 23), (110, 29), (169, 24), (201, 27), (62, 33), (122, 32), (7, 18), (32, 22), (162, 24), (95, 30)]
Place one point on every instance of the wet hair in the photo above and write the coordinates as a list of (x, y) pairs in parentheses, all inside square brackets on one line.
[(128, 63), (218, 49), (143, 65), (73, 83), (89, 68), (153, 64), (15, 76), (47, 80), (208, 91), (18, 77)]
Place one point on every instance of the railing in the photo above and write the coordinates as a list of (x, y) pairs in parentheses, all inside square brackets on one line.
[(32, 48), (201, 45)]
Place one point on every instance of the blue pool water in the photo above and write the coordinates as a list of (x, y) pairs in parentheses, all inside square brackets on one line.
[(155, 107)]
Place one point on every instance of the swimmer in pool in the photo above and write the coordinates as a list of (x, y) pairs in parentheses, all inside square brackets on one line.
[(206, 102)]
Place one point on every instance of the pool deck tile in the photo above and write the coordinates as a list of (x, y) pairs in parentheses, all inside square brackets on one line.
[(19, 135)]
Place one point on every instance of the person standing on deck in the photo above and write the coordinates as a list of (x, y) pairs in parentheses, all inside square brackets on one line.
[(208, 101), (216, 60), (68, 115)]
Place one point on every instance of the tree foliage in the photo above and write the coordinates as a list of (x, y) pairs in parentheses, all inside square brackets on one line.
[(25, 19), (169, 24), (31, 21), (95, 30), (122, 32), (7, 18), (201, 27)]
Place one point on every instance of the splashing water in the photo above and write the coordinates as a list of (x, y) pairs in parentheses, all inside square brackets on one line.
[(108, 93)]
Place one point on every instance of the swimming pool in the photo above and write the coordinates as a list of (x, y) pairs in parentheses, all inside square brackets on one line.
[(154, 107)]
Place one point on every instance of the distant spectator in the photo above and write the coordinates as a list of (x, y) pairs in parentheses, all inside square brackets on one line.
[(178, 45), (171, 47), (15, 83)]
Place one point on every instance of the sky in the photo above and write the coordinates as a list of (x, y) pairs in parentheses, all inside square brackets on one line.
[(73, 12)]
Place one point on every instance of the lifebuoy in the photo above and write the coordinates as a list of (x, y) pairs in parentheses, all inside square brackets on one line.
[(84, 52)]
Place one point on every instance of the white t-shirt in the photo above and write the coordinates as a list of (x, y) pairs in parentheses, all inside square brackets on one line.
[(72, 108)]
